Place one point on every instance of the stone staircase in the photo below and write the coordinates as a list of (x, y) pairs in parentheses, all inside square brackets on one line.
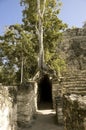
[(69, 83), (74, 83)]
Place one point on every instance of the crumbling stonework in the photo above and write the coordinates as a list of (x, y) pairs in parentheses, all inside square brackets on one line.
[(56, 91), (74, 83), (17, 106), (74, 110), (26, 105), (8, 108)]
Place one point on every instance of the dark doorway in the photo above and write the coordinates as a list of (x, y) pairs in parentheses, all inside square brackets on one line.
[(45, 93)]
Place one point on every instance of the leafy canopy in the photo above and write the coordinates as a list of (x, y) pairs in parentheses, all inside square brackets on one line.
[(52, 26), (19, 45)]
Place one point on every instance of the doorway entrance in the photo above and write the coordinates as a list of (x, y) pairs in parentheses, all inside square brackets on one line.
[(45, 93)]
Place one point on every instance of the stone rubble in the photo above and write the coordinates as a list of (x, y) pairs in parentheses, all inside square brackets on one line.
[(74, 111)]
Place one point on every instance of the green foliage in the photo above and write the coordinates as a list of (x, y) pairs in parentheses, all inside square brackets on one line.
[(19, 45), (55, 62), (58, 65), (16, 45), (52, 26)]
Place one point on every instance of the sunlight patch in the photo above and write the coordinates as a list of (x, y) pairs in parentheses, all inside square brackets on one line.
[(46, 112)]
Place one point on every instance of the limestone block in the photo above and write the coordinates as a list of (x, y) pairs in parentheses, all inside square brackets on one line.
[(26, 107), (8, 109), (74, 111)]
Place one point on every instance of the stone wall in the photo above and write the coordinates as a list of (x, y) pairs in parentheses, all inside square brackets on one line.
[(8, 108), (74, 110), (17, 106), (26, 104), (56, 91)]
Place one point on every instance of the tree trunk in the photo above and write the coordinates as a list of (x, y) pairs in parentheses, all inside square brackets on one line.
[(22, 64), (40, 35)]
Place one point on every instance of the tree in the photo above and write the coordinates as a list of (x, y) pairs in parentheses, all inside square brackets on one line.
[(39, 34), (40, 16), (17, 54)]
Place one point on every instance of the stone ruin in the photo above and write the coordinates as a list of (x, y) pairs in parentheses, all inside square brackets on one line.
[(74, 110), (18, 105), (74, 101), (73, 81), (8, 108)]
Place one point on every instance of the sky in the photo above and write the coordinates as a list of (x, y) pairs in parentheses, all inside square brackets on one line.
[(10, 13), (73, 12)]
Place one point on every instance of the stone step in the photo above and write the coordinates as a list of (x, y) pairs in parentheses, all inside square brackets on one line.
[(78, 92), (74, 85), (74, 79), (75, 74), (73, 82), (77, 88), (69, 91)]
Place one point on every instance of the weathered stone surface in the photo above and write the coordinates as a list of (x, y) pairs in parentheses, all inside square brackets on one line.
[(59, 112), (74, 110), (74, 83), (26, 106), (8, 108), (55, 93), (17, 107)]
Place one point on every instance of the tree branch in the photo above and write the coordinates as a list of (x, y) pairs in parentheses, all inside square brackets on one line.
[(43, 8)]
